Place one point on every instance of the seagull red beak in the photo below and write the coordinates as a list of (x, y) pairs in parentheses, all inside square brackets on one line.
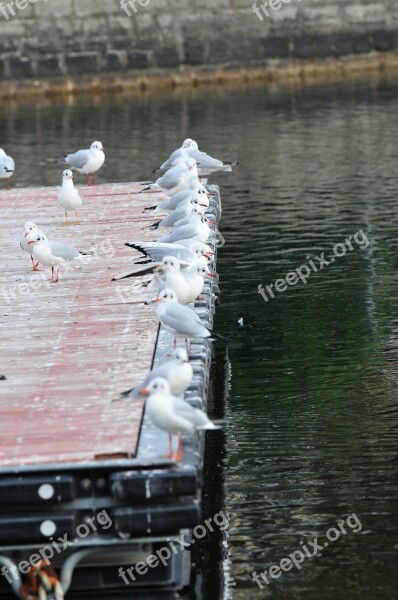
[(212, 274), (208, 254), (144, 392), (32, 242)]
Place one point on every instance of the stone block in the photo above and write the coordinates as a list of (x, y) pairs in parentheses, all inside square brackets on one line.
[(276, 47), (138, 59), (384, 40), (21, 67), (79, 63), (167, 57), (194, 52)]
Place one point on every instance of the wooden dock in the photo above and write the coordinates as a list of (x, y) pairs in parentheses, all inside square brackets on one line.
[(67, 351)]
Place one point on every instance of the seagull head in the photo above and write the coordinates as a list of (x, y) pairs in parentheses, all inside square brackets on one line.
[(191, 164), (38, 239), (29, 227), (180, 356), (67, 174), (167, 296), (191, 144), (170, 263), (97, 146), (156, 386), (204, 271)]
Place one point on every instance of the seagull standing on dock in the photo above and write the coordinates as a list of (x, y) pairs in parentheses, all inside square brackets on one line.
[(182, 321), (31, 232), (206, 163), (68, 197), (187, 194), (87, 162), (7, 167), (53, 254), (196, 229), (177, 371), (186, 251), (172, 414), (183, 175)]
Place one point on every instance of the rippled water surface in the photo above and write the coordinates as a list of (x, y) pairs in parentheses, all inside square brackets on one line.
[(312, 417)]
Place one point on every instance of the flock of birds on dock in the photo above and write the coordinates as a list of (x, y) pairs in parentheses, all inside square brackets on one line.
[(178, 261)]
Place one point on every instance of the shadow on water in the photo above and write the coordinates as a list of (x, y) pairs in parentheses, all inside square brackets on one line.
[(312, 414)]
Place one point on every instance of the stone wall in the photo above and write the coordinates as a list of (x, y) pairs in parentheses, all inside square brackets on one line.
[(52, 38)]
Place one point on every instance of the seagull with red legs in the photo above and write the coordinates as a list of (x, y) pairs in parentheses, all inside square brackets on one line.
[(172, 414), (87, 162), (52, 254), (31, 231)]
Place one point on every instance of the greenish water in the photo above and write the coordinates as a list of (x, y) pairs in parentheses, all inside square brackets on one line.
[(312, 416)]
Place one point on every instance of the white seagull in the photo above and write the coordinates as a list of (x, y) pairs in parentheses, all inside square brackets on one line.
[(7, 167), (172, 414), (182, 321), (196, 229), (31, 231), (69, 198), (183, 175), (186, 251), (170, 204), (87, 162), (53, 254), (177, 371)]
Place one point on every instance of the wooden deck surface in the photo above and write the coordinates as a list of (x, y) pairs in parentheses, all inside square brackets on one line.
[(68, 349)]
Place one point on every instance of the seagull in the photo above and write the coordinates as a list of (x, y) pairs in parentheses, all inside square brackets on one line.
[(53, 254), (7, 167), (88, 161), (170, 204), (172, 414), (182, 321), (184, 209), (197, 229), (175, 156), (187, 251), (68, 197), (207, 164), (183, 175), (31, 231), (177, 371)]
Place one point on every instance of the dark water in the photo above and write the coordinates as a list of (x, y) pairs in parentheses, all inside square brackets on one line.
[(312, 416)]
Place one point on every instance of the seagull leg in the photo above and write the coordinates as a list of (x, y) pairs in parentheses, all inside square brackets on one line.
[(55, 280), (186, 345), (8, 184), (175, 343), (35, 265), (93, 176), (52, 274), (87, 180), (66, 218), (178, 456), (77, 222)]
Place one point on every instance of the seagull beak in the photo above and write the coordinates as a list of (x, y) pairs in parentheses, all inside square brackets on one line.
[(144, 392), (211, 222), (212, 274), (27, 233), (32, 242), (154, 301), (208, 254)]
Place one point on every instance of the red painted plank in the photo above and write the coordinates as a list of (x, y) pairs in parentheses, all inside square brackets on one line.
[(68, 349)]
